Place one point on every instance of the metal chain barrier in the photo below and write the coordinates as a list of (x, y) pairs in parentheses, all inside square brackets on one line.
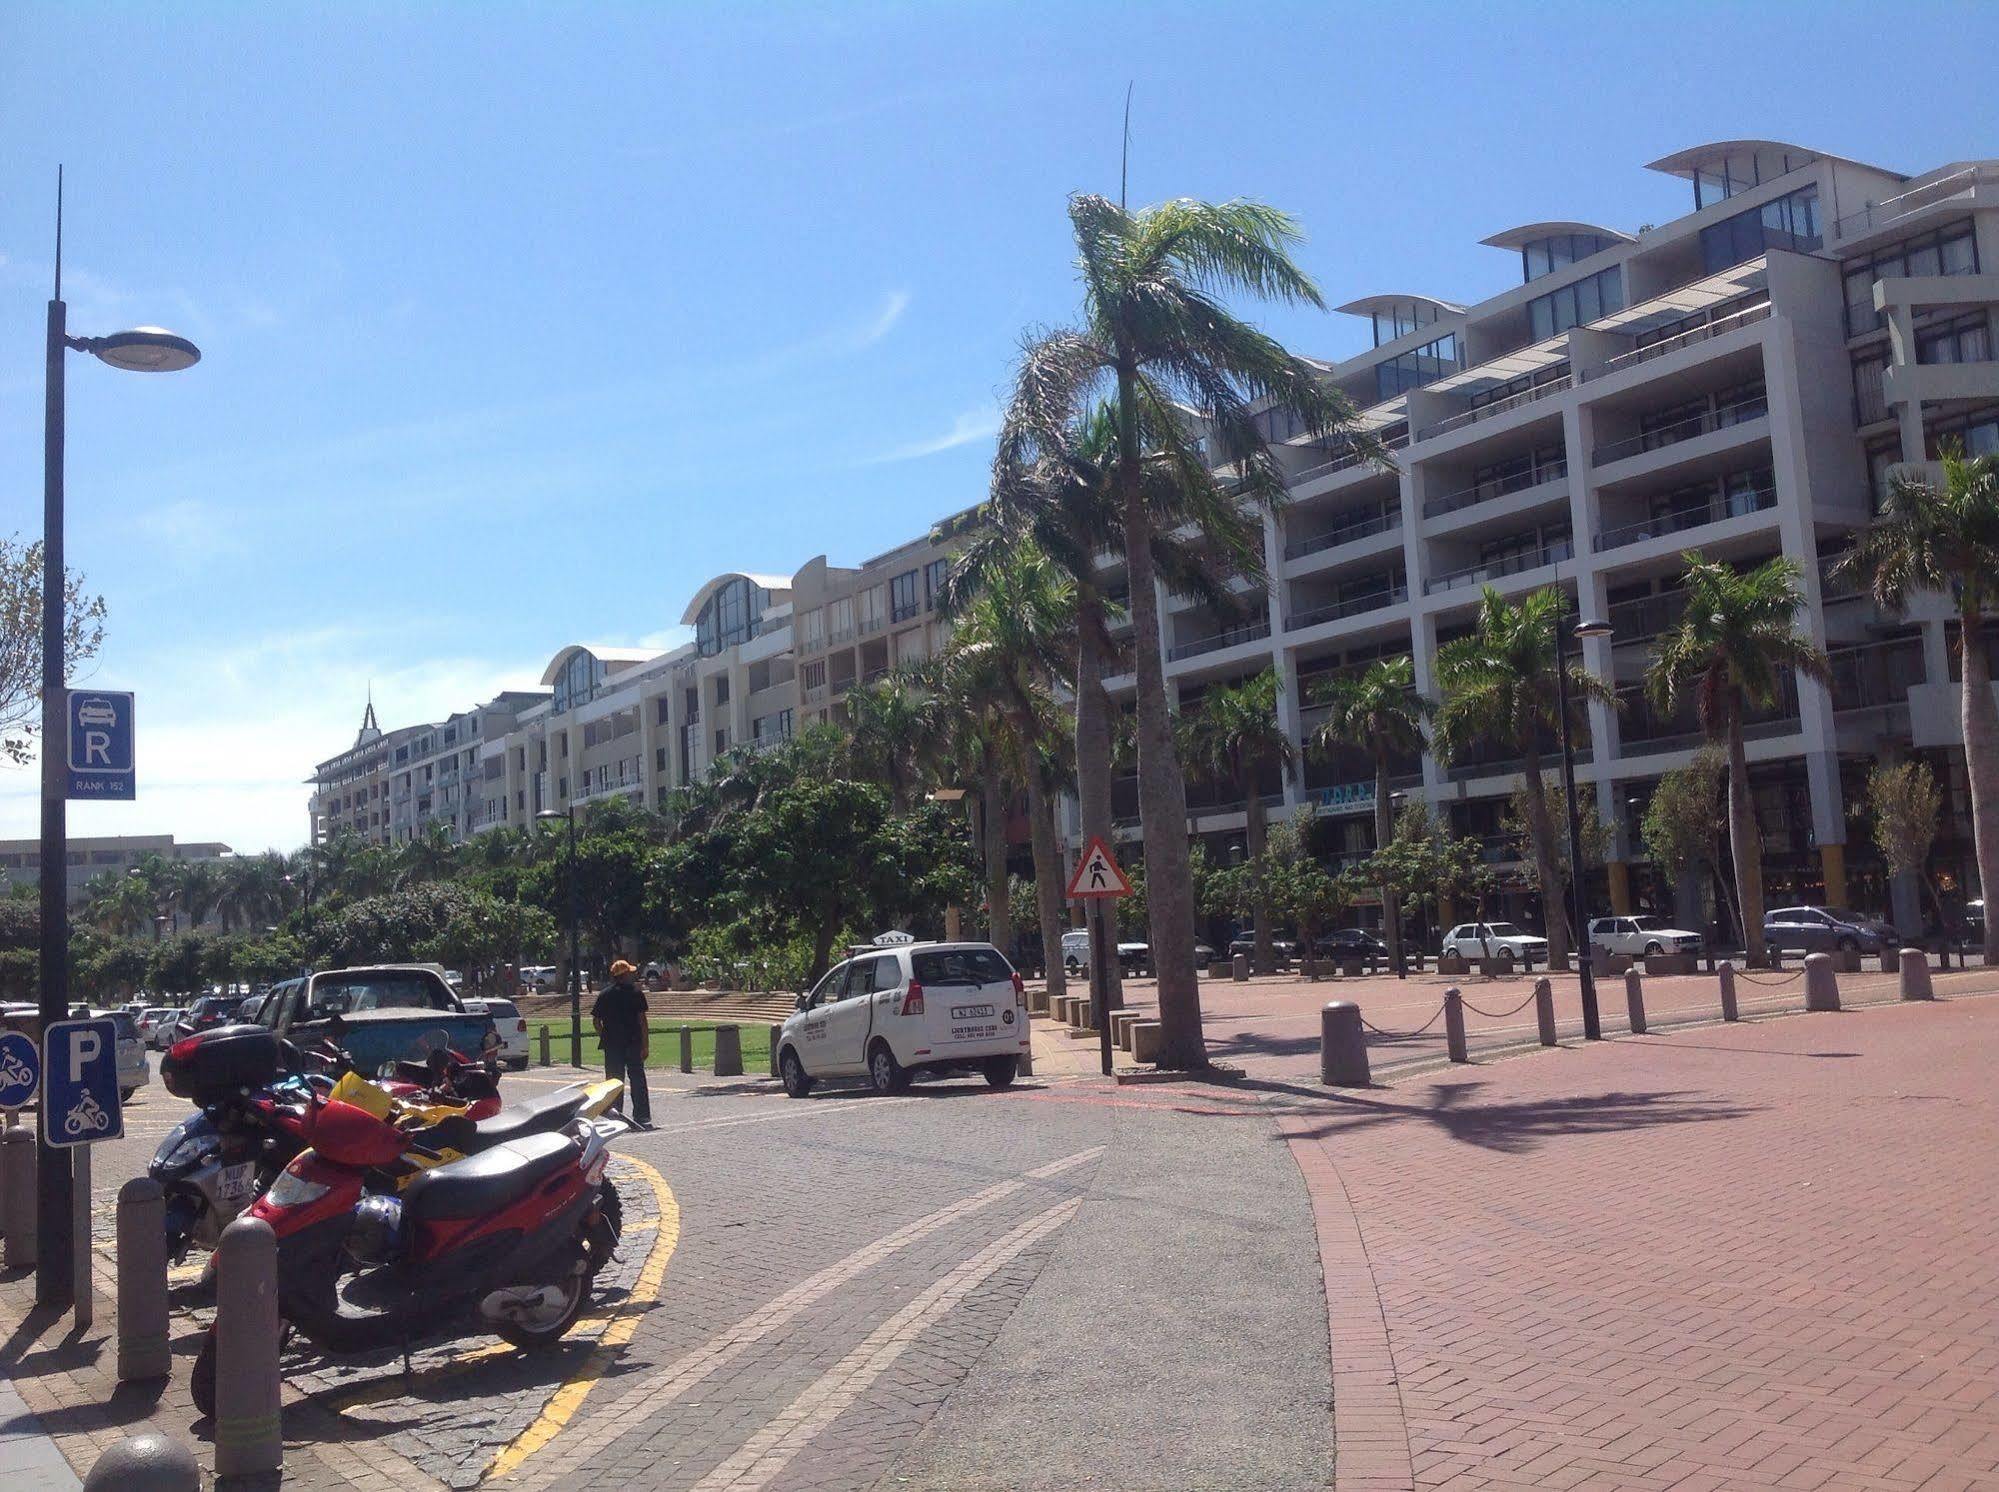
[(1499, 1015), (1405, 1035), (1780, 979)]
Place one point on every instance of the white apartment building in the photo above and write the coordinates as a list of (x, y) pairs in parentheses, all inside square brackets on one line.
[(1741, 379), (91, 857)]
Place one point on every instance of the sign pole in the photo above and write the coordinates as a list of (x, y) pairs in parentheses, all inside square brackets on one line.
[(79, 1236), (1100, 981)]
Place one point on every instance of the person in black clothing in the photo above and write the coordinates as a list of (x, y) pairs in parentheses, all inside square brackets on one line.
[(619, 1017)]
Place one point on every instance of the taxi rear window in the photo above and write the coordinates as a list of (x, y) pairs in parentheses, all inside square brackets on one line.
[(961, 966)]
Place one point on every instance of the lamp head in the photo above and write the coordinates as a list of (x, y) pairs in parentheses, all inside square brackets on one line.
[(144, 349), (1589, 627)]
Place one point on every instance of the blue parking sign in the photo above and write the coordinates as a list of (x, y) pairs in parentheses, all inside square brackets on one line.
[(100, 745), (80, 1083), (20, 1070)]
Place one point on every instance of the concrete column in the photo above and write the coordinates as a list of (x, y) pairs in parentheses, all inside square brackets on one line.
[(728, 1052), (1915, 975), (1634, 1000), (17, 1196), (1544, 1011), (1342, 1046), (248, 1427), (143, 1351), (1832, 860), (1821, 983), (1726, 975), (1454, 1025), (1620, 887), (1290, 706)]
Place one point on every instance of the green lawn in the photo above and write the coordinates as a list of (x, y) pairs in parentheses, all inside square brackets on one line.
[(664, 1050)]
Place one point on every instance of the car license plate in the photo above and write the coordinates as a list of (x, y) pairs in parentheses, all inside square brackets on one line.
[(237, 1183)]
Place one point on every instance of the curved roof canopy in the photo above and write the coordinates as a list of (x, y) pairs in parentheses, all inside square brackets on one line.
[(775, 584), (1526, 233), (1773, 157), (1374, 305), (611, 658)]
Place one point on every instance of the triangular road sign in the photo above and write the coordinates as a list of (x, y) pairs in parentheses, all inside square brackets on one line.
[(1097, 874)]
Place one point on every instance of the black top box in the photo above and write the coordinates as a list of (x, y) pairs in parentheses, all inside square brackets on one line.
[(221, 1060)]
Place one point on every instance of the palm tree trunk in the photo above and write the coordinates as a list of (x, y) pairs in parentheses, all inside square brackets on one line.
[(1047, 880), (1162, 794), (1745, 845), (1384, 829), (1981, 765), (1255, 831), (1547, 868), (1093, 756), (992, 826)]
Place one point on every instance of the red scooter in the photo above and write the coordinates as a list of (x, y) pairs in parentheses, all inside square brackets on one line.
[(505, 1241)]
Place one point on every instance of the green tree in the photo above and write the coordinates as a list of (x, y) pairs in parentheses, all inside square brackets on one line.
[(1682, 819), (21, 641), (1945, 538), (1594, 833), (1377, 711), (1498, 685), (1234, 736), (1732, 648), (1425, 865), (899, 734), (1905, 804)]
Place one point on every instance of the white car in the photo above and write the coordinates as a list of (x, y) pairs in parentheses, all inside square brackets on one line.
[(1486, 939), (156, 1026), (1642, 937), (509, 1024), (891, 1013), (538, 979)]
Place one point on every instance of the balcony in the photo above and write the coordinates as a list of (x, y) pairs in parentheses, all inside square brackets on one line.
[(1353, 606), (1875, 675), (1497, 407), (1706, 423), (1341, 462), (1248, 632), (1645, 617), (1874, 215), (1641, 726), (1679, 520), (1480, 492), (1346, 533), (1513, 564), (1708, 325)]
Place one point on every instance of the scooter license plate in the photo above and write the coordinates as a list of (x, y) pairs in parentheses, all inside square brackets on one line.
[(237, 1183)]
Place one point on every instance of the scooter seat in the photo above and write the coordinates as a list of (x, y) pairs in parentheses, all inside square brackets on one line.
[(515, 1122), (484, 1183)]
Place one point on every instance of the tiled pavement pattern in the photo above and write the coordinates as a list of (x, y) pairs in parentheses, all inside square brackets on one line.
[(1753, 1256)]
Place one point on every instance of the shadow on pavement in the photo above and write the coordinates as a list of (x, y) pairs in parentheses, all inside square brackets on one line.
[(1518, 1127)]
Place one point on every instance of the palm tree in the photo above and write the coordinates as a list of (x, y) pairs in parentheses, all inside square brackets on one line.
[(1379, 712), (120, 904), (1235, 737), (1153, 329), (431, 854), (1731, 649), (897, 725), (1946, 538), (1498, 685), (201, 887)]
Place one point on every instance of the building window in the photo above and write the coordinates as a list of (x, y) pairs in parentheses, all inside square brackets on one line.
[(722, 689), (578, 681), (1962, 339), (1789, 222), (873, 609), (1399, 321), (815, 674), (1413, 369), (1543, 256), (1577, 304), (732, 615), (933, 581), (904, 601), (1497, 392), (1719, 180), (1976, 434), (1950, 250), (1870, 401), (840, 621), (812, 630)]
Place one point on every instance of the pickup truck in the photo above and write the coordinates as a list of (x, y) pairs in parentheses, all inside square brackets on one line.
[(378, 1014)]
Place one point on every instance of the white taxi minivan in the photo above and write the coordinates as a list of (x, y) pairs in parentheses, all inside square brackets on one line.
[(895, 1012)]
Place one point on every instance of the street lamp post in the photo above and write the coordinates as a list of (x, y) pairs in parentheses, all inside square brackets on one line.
[(1578, 900), (146, 349), (575, 956)]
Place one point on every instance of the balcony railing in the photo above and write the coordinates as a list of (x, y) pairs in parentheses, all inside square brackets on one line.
[(1740, 413), (1875, 674), (1341, 462), (1248, 632), (1718, 326), (1641, 725), (1513, 564), (1352, 606), (1479, 492), (1645, 617), (1862, 318), (1834, 586), (1679, 520), (1497, 407), (1347, 533), (1881, 214)]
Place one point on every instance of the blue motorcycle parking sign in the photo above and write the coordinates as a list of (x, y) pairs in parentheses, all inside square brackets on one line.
[(20, 1070), (80, 1083)]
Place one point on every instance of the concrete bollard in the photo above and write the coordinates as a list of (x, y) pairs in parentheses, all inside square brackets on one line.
[(145, 1463), (1725, 976), (1544, 1010), (1454, 1024), (1891, 961), (1916, 976), (773, 1051), (1145, 1041), (543, 1054), (142, 1281), (1821, 983), (1239, 967), (17, 1196), (686, 1049), (248, 1430), (1342, 1046), (728, 1052), (1634, 1000), (1023, 1065)]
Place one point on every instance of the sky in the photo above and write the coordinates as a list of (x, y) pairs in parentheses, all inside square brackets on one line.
[(520, 322)]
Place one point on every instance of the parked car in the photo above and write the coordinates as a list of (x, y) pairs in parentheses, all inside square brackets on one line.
[(1974, 918), (209, 1010), (1246, 945), (511, 1025), (1349, 942), (897, 1012), (156, 1024), (378, 1013), (1132, 957), (1825, 930), (1482, 939), (134, 1072), (1642, 937), (538, 979)]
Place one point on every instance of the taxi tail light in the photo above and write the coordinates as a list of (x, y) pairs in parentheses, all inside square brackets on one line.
[(1019, 990), (521, 1025), (912, 999)]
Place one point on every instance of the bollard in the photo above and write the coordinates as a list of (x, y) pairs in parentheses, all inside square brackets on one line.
[(1634, 1000), (1454, 1024), (544, 1046), (686, 1049), (17, 1196), (728, 1052), (1342, 1046), (248, 1432), (1239, 967), (1821, 983), (1916, 976), (142, 1281), (1544, 1010), (773, 1052), (1726, 975), (145, 1463)]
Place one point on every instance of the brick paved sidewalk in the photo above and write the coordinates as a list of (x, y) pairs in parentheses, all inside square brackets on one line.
[(1748, 1256)]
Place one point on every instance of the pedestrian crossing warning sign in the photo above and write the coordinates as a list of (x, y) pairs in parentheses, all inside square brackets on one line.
[(1097, 874)]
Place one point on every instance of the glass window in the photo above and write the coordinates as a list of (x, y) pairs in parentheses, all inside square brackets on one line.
[(1573, 305), (961, 966), (732, 615), (1869, 401), (1413, 369), (1788, 222), (904, 599)]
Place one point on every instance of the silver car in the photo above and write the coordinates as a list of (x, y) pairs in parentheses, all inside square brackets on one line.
[(509, 1025)]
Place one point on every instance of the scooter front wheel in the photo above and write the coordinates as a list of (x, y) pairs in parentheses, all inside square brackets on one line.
[(202, 1381), (548, 1327)]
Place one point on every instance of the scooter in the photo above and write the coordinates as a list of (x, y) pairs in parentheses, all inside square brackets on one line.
[(505, 1241)]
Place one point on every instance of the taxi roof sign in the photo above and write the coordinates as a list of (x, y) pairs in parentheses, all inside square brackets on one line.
[(1097, 874)]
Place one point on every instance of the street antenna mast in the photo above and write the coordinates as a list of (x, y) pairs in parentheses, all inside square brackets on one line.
[(1124, 165)]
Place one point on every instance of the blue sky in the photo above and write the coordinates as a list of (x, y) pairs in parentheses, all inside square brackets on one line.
[(519, 323)]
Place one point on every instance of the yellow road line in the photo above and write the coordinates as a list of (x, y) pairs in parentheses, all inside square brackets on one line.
[(562, 1406)]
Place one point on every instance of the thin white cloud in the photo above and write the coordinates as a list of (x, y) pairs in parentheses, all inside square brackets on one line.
[(973, 425)]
